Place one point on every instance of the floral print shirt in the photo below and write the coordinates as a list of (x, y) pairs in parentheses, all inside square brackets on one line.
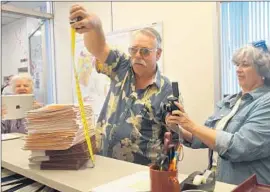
[(131, 123)]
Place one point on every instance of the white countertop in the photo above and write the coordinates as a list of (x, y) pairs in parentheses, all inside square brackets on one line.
[(106, 170)]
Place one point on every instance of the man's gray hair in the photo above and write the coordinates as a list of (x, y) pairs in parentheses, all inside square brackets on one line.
[(19, 77), (256, 57), (151, 32)]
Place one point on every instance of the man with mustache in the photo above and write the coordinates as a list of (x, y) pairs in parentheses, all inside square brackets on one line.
[(130, 124)]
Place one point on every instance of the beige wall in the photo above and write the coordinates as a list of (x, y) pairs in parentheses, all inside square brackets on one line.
[(190, 52)]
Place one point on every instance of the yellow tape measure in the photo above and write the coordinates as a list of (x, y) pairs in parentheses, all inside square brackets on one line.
[(80, 100)]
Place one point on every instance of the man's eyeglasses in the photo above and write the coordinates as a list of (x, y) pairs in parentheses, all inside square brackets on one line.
[(144, 52)]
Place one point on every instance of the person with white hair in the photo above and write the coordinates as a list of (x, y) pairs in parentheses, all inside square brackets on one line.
[(238, 133), (20, 84)]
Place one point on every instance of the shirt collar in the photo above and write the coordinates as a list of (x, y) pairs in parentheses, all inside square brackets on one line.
[(156, 80), (256, 93), (253, 95)]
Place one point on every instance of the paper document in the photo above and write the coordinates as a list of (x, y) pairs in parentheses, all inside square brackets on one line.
[(138, 182), (9, 136)]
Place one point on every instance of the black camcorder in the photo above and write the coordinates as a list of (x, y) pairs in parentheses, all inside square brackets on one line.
[(169, 106)]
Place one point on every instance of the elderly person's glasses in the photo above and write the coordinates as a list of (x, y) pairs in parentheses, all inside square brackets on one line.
[(144, 52)]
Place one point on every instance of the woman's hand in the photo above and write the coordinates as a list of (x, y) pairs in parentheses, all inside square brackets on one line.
[(181, 118), (204, 134)]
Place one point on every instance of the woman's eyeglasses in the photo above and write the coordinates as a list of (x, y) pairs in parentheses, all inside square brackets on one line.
[(144, 52)]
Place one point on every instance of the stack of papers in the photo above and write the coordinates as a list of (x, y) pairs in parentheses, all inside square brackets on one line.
[(56, 137)]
